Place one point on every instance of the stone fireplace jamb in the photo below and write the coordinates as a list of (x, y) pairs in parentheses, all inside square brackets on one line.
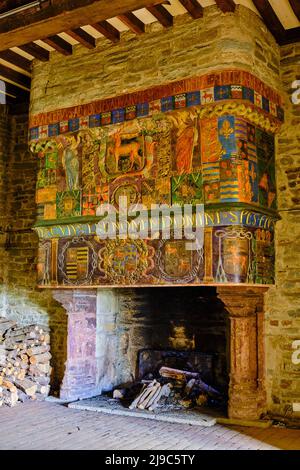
[(247, 393)]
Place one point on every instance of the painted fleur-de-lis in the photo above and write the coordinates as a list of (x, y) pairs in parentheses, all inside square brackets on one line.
[(226, 130)]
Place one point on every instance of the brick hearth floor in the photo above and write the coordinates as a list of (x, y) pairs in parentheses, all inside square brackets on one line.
[(53, 426)]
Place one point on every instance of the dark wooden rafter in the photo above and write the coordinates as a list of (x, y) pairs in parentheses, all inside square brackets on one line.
[(133, 22), (162, 15), (193, 8), (16, 59), (295, 4), (13, 76), (7, 5), (13, 92), (36, 51), (290, 36), (226, 5), (82, 37), (271, 19), (59, 44), (108, 30), (62, 15)]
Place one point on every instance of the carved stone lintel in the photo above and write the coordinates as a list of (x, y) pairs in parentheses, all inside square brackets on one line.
[(247, 396), (80, 379)]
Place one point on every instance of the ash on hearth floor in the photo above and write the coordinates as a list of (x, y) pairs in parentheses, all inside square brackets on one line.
[(108, 405)]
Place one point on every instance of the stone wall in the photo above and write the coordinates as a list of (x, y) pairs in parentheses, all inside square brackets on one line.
[(190, 48), (4, 139), (283, 301), (19, 297)]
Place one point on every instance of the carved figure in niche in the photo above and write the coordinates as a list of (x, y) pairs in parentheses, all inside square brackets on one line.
[(70, 163), (186, 136)]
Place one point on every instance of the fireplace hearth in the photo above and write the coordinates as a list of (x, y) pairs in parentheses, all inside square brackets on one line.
[(114, 335)]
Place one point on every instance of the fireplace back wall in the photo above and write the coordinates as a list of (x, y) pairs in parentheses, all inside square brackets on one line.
[(181, 319)]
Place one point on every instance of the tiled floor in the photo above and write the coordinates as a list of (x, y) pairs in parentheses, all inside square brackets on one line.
[(53, 426)]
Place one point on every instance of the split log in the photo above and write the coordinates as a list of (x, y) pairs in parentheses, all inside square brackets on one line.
[(207, 389), (164, 391), (40, 368), (144, 393), (10, 398), (119, 393), (177, 374), (26, 386), (189, 387), (38, 350), (144, 403), (154, 397), (40, 358)]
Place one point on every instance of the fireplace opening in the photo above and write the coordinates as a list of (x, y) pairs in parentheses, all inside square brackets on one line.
[(141, 330)]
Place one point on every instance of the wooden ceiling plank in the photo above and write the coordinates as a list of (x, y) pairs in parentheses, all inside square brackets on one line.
[(133, 23), (59, 44), (270, 18), (226, 5), (82, 37), (295, 4), (16, 77), (36, 51), (62, 15), (193, 8), (108, 30), (16, 59), (162, 15)]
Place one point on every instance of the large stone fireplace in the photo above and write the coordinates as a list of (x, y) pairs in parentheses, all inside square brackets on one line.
[(204, 142), (109, 329)]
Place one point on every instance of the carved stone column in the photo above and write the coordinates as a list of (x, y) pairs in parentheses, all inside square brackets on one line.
[(247, 395), (80, 378)]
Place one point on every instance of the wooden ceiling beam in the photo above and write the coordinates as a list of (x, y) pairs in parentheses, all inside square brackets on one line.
[(62, 15), (291, 35), (270, 18), (193, 8), (226, 5), (8, 5), (82, 37), (12, 76), (14, 92), (162, 15), (108, 30), (16, 59), (59, 44), (36, 51), (295, 4), (133, 23)]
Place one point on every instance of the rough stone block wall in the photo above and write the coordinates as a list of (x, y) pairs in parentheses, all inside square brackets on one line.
[(190, 48), (4, 139), (19, 297), (283, 301)]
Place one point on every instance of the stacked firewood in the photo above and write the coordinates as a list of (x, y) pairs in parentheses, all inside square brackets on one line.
[(175, 388), (150, 395), (24, 362)]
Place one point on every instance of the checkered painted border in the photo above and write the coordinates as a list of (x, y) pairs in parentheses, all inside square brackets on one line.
[(169, 103)]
